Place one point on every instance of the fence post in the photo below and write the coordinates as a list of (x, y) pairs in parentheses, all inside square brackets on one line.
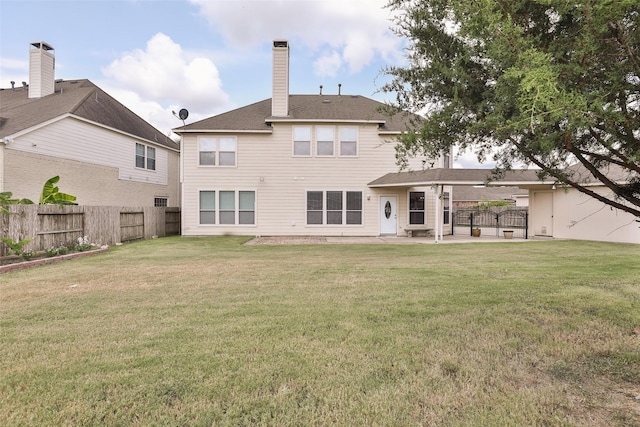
[(498, 224), (471, 222), (526, 225)]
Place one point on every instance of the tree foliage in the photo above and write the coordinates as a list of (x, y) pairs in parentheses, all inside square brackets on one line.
[(51, 195), (6, 198), (555, 84)]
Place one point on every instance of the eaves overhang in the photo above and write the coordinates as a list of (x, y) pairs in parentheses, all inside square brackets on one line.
[(453, 177)]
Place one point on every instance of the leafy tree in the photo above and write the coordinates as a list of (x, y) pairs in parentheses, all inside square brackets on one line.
[(52, 195), (6, 198), (555, 84)]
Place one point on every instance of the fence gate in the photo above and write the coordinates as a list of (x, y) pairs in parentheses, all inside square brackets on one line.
[(131, 226), (492, 222)]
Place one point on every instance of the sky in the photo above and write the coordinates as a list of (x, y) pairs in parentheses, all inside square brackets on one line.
[(207, 56)]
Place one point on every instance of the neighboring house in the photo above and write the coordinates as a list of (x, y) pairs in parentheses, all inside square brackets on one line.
[(300, 165), (470, 196), (103, 152)]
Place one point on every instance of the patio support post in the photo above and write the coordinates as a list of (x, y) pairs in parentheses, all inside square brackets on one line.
[(441, 226), (436, 219), (471, 222)]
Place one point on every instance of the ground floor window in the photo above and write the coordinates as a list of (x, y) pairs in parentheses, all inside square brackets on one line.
[(447, 209), (228, 207), (160, 202), (334, 207), (416, 207)]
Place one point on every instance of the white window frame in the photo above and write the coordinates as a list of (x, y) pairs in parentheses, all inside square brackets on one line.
[(328, 213), (299, 139), (160, 201), (343, 139), (148, 157), (411, 210), (322, 139), (208, 209), (220, 212), (446, 208), (220, 147)]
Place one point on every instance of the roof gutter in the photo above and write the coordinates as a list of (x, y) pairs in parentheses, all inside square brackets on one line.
[(287, 120), (221, 131)]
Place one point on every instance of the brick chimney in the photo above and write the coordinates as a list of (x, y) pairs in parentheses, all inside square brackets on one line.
[(41, 70), (280, 98)]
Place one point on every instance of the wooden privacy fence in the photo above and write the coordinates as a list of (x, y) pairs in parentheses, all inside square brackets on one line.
[(55, 226)]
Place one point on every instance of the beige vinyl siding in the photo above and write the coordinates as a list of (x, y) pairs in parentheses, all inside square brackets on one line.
[(77, 140), (280, 82), (581, 217), (265, 164)]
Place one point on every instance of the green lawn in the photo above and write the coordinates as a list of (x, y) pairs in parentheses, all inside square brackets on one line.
[(188, 331)]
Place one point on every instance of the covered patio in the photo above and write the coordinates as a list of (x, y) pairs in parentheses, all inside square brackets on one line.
[(437, 179)]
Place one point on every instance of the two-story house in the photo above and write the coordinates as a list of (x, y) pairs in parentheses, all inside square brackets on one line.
[(300, 165), (103, 152)]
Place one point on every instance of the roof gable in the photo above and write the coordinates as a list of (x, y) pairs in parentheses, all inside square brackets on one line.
[(80, 98)]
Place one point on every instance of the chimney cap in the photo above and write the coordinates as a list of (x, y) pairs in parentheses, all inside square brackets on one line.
[(280, 43), (42, 45)]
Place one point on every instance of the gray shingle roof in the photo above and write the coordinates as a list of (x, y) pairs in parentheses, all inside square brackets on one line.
[(312, 108), (81, 98), (467, 193), (453, 177)]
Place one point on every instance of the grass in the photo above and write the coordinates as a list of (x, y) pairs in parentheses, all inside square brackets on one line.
[(188, 331)]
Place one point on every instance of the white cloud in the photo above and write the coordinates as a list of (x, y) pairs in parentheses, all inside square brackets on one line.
[(162, 78), (328, 64), (358, 30)]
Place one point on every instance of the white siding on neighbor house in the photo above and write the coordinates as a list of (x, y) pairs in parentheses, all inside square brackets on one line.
[(41, 73), (581, 217), (77, 140), (266, 165)]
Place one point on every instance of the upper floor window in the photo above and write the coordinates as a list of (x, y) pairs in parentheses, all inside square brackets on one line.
[(217, 151), (145, 157), (446, 159), (302, 140), (348, 141), (324, 140), (320, 141), (416, 207)]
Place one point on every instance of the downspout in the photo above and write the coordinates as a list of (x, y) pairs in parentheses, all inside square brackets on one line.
[(3, 143)]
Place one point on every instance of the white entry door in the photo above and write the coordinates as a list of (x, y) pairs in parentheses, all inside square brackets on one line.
[(388, 215), (543, 213)]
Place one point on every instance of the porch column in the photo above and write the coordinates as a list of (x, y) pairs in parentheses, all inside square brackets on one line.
[(436, 216)]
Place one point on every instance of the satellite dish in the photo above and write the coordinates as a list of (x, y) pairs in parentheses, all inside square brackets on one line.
[(183, 114)]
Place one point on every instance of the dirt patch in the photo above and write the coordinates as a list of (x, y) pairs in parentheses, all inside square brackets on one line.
[(287, 240)]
